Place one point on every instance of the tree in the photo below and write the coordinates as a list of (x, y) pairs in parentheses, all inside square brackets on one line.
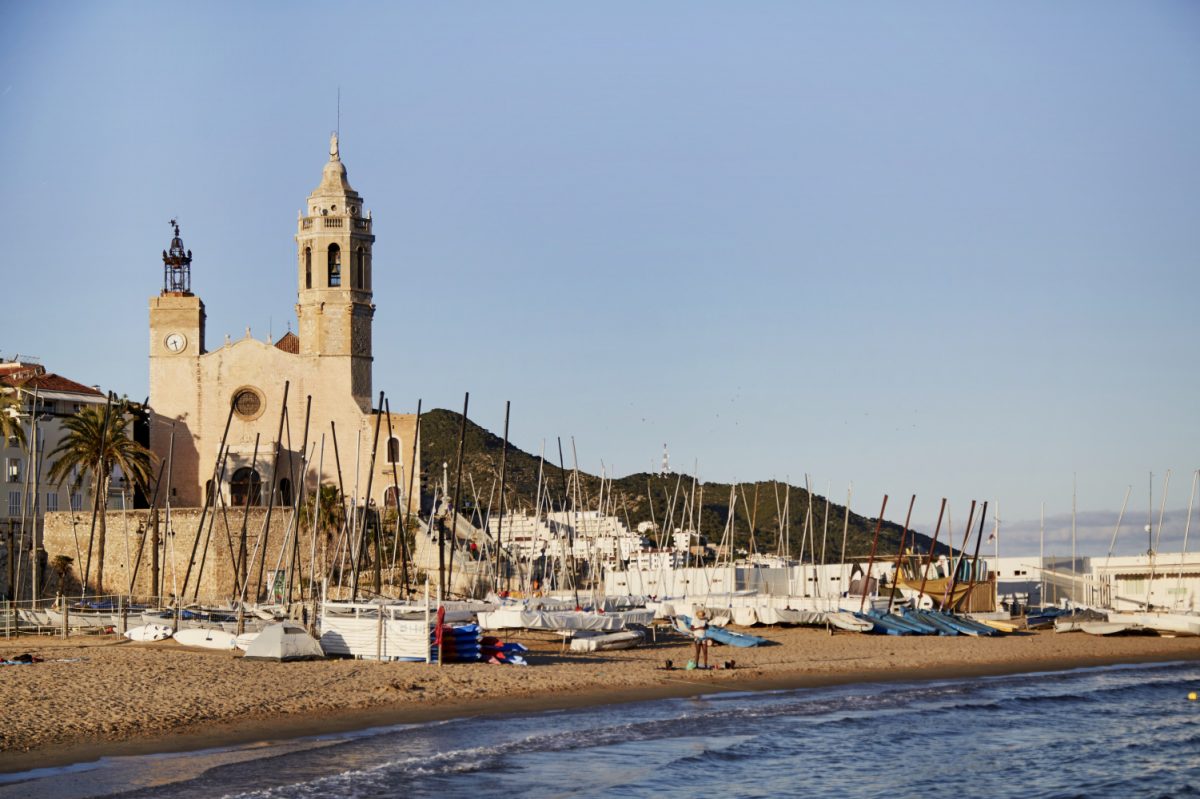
[(10, 415), (61, 564), (92, 447), (329, 519)]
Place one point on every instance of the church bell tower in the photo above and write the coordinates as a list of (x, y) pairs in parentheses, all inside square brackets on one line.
[(334, 309)]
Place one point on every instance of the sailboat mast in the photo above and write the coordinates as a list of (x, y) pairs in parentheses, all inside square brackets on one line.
[(503, 478), (866, 585), (932, 547)]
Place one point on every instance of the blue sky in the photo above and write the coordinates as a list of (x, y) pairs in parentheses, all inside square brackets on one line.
[(935, 248)]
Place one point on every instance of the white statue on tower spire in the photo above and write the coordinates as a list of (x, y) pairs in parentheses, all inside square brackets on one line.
[(333, 147)]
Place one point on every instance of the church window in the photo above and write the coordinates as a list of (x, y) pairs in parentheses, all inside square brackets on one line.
[(335, 266), (245, 488), (247, 403), (393, 452), (308, 267), (360, 266)]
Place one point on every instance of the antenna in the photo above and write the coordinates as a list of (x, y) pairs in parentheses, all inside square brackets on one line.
[(339, 113)]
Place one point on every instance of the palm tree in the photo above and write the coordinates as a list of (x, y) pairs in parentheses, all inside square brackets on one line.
[(330, 517), (10, 415), (91, 446)]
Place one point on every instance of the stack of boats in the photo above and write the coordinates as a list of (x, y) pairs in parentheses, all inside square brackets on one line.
[(1101, 622), (105, 614)]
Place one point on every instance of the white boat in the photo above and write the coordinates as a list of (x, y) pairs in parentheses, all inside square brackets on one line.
[(149, 632), (207, 639), (845, 620), (1169, 623), (28, 617), (1110, 627), (625, 639), (87, 619)]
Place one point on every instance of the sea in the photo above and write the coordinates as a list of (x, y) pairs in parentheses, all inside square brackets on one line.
[(1113, 731)]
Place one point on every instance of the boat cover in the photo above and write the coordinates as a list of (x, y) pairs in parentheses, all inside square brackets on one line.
[(515, 618)]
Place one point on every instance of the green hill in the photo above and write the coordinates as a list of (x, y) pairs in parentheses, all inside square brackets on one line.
[(642, 497)]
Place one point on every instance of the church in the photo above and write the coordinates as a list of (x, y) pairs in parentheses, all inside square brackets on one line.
[(236, 392)]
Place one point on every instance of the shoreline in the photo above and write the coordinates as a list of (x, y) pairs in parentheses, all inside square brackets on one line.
[(883, 660)]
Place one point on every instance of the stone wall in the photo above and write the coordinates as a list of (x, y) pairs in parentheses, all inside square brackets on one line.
[(127, 550)]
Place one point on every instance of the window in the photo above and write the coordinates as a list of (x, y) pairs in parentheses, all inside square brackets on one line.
[(13, 441), (308, 267), (285, 492), (245, 488), (51, 502), (335, 266), (393, 450), (14, 470), (14, 503), (360, 268), (76, 501), (247, 403), (390, 496)]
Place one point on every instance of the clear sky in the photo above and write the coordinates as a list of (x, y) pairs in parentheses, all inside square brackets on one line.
[(948, 249)]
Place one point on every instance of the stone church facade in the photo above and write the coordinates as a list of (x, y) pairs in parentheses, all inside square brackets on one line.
[(195, 392)]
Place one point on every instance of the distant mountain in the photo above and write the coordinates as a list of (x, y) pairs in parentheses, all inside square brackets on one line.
[(644, 497)]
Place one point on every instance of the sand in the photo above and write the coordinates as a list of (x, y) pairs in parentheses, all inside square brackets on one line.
[(97, 696)]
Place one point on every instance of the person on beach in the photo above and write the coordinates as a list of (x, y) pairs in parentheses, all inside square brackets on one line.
[(700, 636)]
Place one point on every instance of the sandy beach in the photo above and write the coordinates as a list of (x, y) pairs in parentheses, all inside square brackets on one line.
[(95, 696)]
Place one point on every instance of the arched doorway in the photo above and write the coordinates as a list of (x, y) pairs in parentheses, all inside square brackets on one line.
[(245, 488), (391, 497)]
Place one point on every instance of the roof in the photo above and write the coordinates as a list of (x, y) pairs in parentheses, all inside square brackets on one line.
[(30, 378), (289, 342)]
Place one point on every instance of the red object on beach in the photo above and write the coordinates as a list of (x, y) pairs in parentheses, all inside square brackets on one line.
[(441, 626)]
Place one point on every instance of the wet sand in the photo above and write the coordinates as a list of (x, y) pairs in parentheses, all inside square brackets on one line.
[(96, 696)]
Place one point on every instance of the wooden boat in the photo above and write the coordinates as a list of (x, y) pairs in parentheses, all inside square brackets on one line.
[(997, 625)]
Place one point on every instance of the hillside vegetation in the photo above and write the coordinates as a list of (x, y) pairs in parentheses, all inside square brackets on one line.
[(645, 497)]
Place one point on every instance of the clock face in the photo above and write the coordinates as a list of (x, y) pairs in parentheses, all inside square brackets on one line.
[(175, 342)]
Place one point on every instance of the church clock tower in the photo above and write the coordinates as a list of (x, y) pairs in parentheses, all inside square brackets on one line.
[(176, 315), (334, 307)]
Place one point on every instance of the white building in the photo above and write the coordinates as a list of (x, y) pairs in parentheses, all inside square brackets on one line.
[(28, 494)]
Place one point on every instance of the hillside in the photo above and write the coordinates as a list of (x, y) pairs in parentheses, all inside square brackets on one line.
[(642, 497)]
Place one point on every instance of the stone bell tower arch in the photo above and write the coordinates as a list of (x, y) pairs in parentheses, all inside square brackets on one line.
[(334, 276)]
